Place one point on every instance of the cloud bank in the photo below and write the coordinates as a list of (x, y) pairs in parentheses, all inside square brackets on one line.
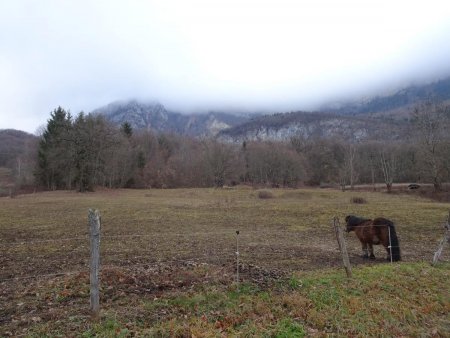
[(199, 55)]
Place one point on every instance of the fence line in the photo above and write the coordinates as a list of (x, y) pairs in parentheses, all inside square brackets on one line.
[(86, 238), (184, 261), (228, 259), (224, 232), (45, 241), (244, 253), (158, 234), (37, 276), (154, 234), (187, 261), (223, 257), (218, 257)]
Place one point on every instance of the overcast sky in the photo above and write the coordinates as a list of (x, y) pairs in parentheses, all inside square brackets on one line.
[(273, 55)]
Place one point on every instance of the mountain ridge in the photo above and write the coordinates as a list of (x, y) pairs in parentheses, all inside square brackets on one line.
[(154, 116), (404, 97), (281, 127), (329, 121)]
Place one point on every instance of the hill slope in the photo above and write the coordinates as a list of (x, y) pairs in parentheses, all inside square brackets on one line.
[(402, 99), (13, 143)]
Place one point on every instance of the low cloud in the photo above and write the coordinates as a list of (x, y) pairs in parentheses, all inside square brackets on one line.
[(201, 55)]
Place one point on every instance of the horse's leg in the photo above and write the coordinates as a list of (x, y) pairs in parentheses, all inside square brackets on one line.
[(364, 250), (372, 256)]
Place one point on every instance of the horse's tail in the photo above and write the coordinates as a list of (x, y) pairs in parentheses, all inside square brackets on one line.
[(395, 245)]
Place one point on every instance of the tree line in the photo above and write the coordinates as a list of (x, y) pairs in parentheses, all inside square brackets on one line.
[(86, 151)]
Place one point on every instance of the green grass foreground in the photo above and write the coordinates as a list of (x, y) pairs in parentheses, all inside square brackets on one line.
[(168, 265), (405, 299)]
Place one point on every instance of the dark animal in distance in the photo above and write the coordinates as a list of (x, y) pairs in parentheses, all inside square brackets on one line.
[(374, 232)]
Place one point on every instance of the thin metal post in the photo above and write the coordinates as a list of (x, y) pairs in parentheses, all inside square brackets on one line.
[(438, 253), (237, 256), (94, 226), (445, 239), (390, 244)]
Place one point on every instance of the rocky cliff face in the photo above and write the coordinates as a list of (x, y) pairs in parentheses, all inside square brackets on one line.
[(154, 116), (306, 125), (380, 117), (233, 128)]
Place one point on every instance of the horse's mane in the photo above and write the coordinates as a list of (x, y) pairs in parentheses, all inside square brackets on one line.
[(355, 220)]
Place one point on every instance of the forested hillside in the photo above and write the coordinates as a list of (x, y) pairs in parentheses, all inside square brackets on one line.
[(142, 145), (14, 143), (89, 151)]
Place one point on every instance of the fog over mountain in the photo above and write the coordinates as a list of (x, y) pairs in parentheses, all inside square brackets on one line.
[(155, 117), (402, 99), (197, 55), (372, 120)]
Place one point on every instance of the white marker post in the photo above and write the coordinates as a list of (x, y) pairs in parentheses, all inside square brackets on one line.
[(237, 256)]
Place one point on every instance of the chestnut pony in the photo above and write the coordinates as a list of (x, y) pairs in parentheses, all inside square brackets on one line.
[(373, 232)]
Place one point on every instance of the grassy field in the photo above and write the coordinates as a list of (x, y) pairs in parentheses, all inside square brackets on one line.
[(168, 265)]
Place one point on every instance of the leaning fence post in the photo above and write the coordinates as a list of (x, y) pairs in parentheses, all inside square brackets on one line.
[(94, 226), (444, 240), (342, 247)]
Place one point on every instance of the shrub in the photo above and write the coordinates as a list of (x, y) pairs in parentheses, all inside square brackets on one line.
[(358, 200), (265, 194)]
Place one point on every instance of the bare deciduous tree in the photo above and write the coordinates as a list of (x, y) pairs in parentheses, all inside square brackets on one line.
[(388, 166), (431, 120), (220, 160)]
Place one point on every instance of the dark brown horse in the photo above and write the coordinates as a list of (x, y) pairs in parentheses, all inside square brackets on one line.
[(373, 232)]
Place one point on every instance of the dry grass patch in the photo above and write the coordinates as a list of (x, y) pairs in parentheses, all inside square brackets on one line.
[(177, 245)]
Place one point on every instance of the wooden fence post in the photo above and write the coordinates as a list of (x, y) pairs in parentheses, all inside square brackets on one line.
[(94, 226), (342, 247), (444, 240)]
